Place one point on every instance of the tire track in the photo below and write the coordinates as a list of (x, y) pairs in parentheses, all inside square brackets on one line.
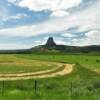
[(23, 76)]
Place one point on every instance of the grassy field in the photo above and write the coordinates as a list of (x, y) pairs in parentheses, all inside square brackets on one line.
[(89, 61), (14, 64), (82, 84)]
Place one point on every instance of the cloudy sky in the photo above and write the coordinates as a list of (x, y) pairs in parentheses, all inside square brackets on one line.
[(27, 23)]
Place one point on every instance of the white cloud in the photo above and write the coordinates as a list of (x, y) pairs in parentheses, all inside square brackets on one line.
[(31, 30), (87, 19), (56, 6), (12, 1), (14, 17), (38, 5), (9, 46), (68, 35), (5, 15), (3, 12), (60, 41), (91, 38), (60, 13)]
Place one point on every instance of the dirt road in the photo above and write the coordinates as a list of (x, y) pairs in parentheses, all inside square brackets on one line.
[(42, 74)]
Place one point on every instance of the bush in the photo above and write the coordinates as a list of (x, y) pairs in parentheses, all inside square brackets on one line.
[(86, 59), (96, 85), (90, 88), (97, 60)]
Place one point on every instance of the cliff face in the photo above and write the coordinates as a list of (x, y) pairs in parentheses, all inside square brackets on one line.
[(50, 42)]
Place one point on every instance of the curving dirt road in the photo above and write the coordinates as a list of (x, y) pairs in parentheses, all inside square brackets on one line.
[(42, 74)]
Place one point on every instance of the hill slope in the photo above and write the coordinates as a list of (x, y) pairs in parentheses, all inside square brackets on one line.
[(51, 46)]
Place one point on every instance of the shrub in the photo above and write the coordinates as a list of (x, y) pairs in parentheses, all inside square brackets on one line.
[(90, 88), (86, 59), (97, 60), (96, 85)]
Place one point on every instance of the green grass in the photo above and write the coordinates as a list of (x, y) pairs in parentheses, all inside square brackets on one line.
[(88, 61), (83, 87), (82, 84), (11, 64)]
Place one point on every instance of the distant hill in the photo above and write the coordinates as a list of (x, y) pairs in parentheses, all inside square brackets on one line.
[(51, 46)]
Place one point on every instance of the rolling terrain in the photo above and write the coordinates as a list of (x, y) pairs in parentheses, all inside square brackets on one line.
[(51, 46), (51, 72), (81, 83)]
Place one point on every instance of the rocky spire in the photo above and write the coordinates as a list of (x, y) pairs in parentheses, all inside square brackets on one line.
[(50, 42)]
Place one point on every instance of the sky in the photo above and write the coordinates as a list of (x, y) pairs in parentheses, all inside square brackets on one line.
[(27, 23)]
